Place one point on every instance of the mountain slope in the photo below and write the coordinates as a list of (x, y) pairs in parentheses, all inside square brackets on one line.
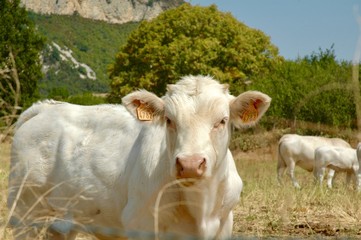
[(91, 42), (114, 11)]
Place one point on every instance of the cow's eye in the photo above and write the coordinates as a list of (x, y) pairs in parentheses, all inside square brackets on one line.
[(220, 123), (169, 122)]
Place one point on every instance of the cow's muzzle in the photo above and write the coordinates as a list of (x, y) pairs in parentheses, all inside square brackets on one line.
[(191, 167)]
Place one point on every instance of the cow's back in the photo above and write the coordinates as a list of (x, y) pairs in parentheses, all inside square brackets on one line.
[(85, 145)]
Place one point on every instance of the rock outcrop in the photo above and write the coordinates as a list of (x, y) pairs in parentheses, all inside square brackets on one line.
[(113, 11)]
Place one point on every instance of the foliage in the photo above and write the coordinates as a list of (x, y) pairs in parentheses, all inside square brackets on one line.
[(94, 43), (315, 88), (19, 38), (182, 41), (62, 78), (191, 40), (86, 99)]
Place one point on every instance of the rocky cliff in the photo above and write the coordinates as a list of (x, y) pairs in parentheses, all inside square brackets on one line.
[(113, 11)]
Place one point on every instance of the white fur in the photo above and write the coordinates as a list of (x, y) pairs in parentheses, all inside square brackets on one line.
[(358, 154), (340, 159), (98, 166)]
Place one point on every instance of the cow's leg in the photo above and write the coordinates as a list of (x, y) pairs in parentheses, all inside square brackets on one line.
[(31, 233), (352, 177), (330, 175), (355, 177), (319, 172), (53, 235), (26, 233), (291, 173), (280, 173), (358, 180), (348, 178), (281, 168), (226, 228), (103, 237), (355, 173), (25, 225), (130, 216), (315, 174)]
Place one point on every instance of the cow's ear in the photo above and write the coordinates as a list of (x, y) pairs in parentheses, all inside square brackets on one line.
[(144, 105), (248, 108)]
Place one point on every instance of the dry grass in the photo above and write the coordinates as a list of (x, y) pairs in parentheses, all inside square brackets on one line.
[(269, 210), (4, 172), (266, 209), (5, 233)]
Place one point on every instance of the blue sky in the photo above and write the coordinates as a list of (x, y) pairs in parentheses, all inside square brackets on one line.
[(300, 27)]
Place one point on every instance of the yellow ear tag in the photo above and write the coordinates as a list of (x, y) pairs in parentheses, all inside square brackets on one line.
[(144, 112), (251, 113)]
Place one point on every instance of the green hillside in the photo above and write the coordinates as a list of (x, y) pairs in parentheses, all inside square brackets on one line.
[(94, 43)]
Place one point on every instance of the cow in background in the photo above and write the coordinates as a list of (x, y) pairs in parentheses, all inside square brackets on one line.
[(149, 165), (339, 159), (296, 150)]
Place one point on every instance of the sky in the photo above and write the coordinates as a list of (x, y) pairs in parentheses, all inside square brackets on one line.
[(301, 27)]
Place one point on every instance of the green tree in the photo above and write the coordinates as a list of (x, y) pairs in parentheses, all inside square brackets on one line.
[(191, 40), (20, 66), (316, 88)]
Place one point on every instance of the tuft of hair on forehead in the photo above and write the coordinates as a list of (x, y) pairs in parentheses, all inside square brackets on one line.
[(195, 85)]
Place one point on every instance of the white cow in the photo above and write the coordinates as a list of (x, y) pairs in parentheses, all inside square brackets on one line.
[(339, 159), (299, 150), (150, 165)]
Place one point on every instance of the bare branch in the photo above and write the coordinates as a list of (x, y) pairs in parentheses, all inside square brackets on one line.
[(4, 73), (2, 88), (15, 76)]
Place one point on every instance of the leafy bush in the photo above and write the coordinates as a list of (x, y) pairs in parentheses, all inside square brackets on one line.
[(20, 38), (58, 93), (191, 40), (63, 75), (86, 99), (315, 88)]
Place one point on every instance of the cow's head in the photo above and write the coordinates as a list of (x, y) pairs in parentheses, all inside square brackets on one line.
[(197, 113)]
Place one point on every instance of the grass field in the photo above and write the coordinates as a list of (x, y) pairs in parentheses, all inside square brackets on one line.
[(4, 172), (266, 209)]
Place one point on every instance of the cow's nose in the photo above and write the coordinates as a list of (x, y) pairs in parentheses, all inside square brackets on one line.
[(191, 167)]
